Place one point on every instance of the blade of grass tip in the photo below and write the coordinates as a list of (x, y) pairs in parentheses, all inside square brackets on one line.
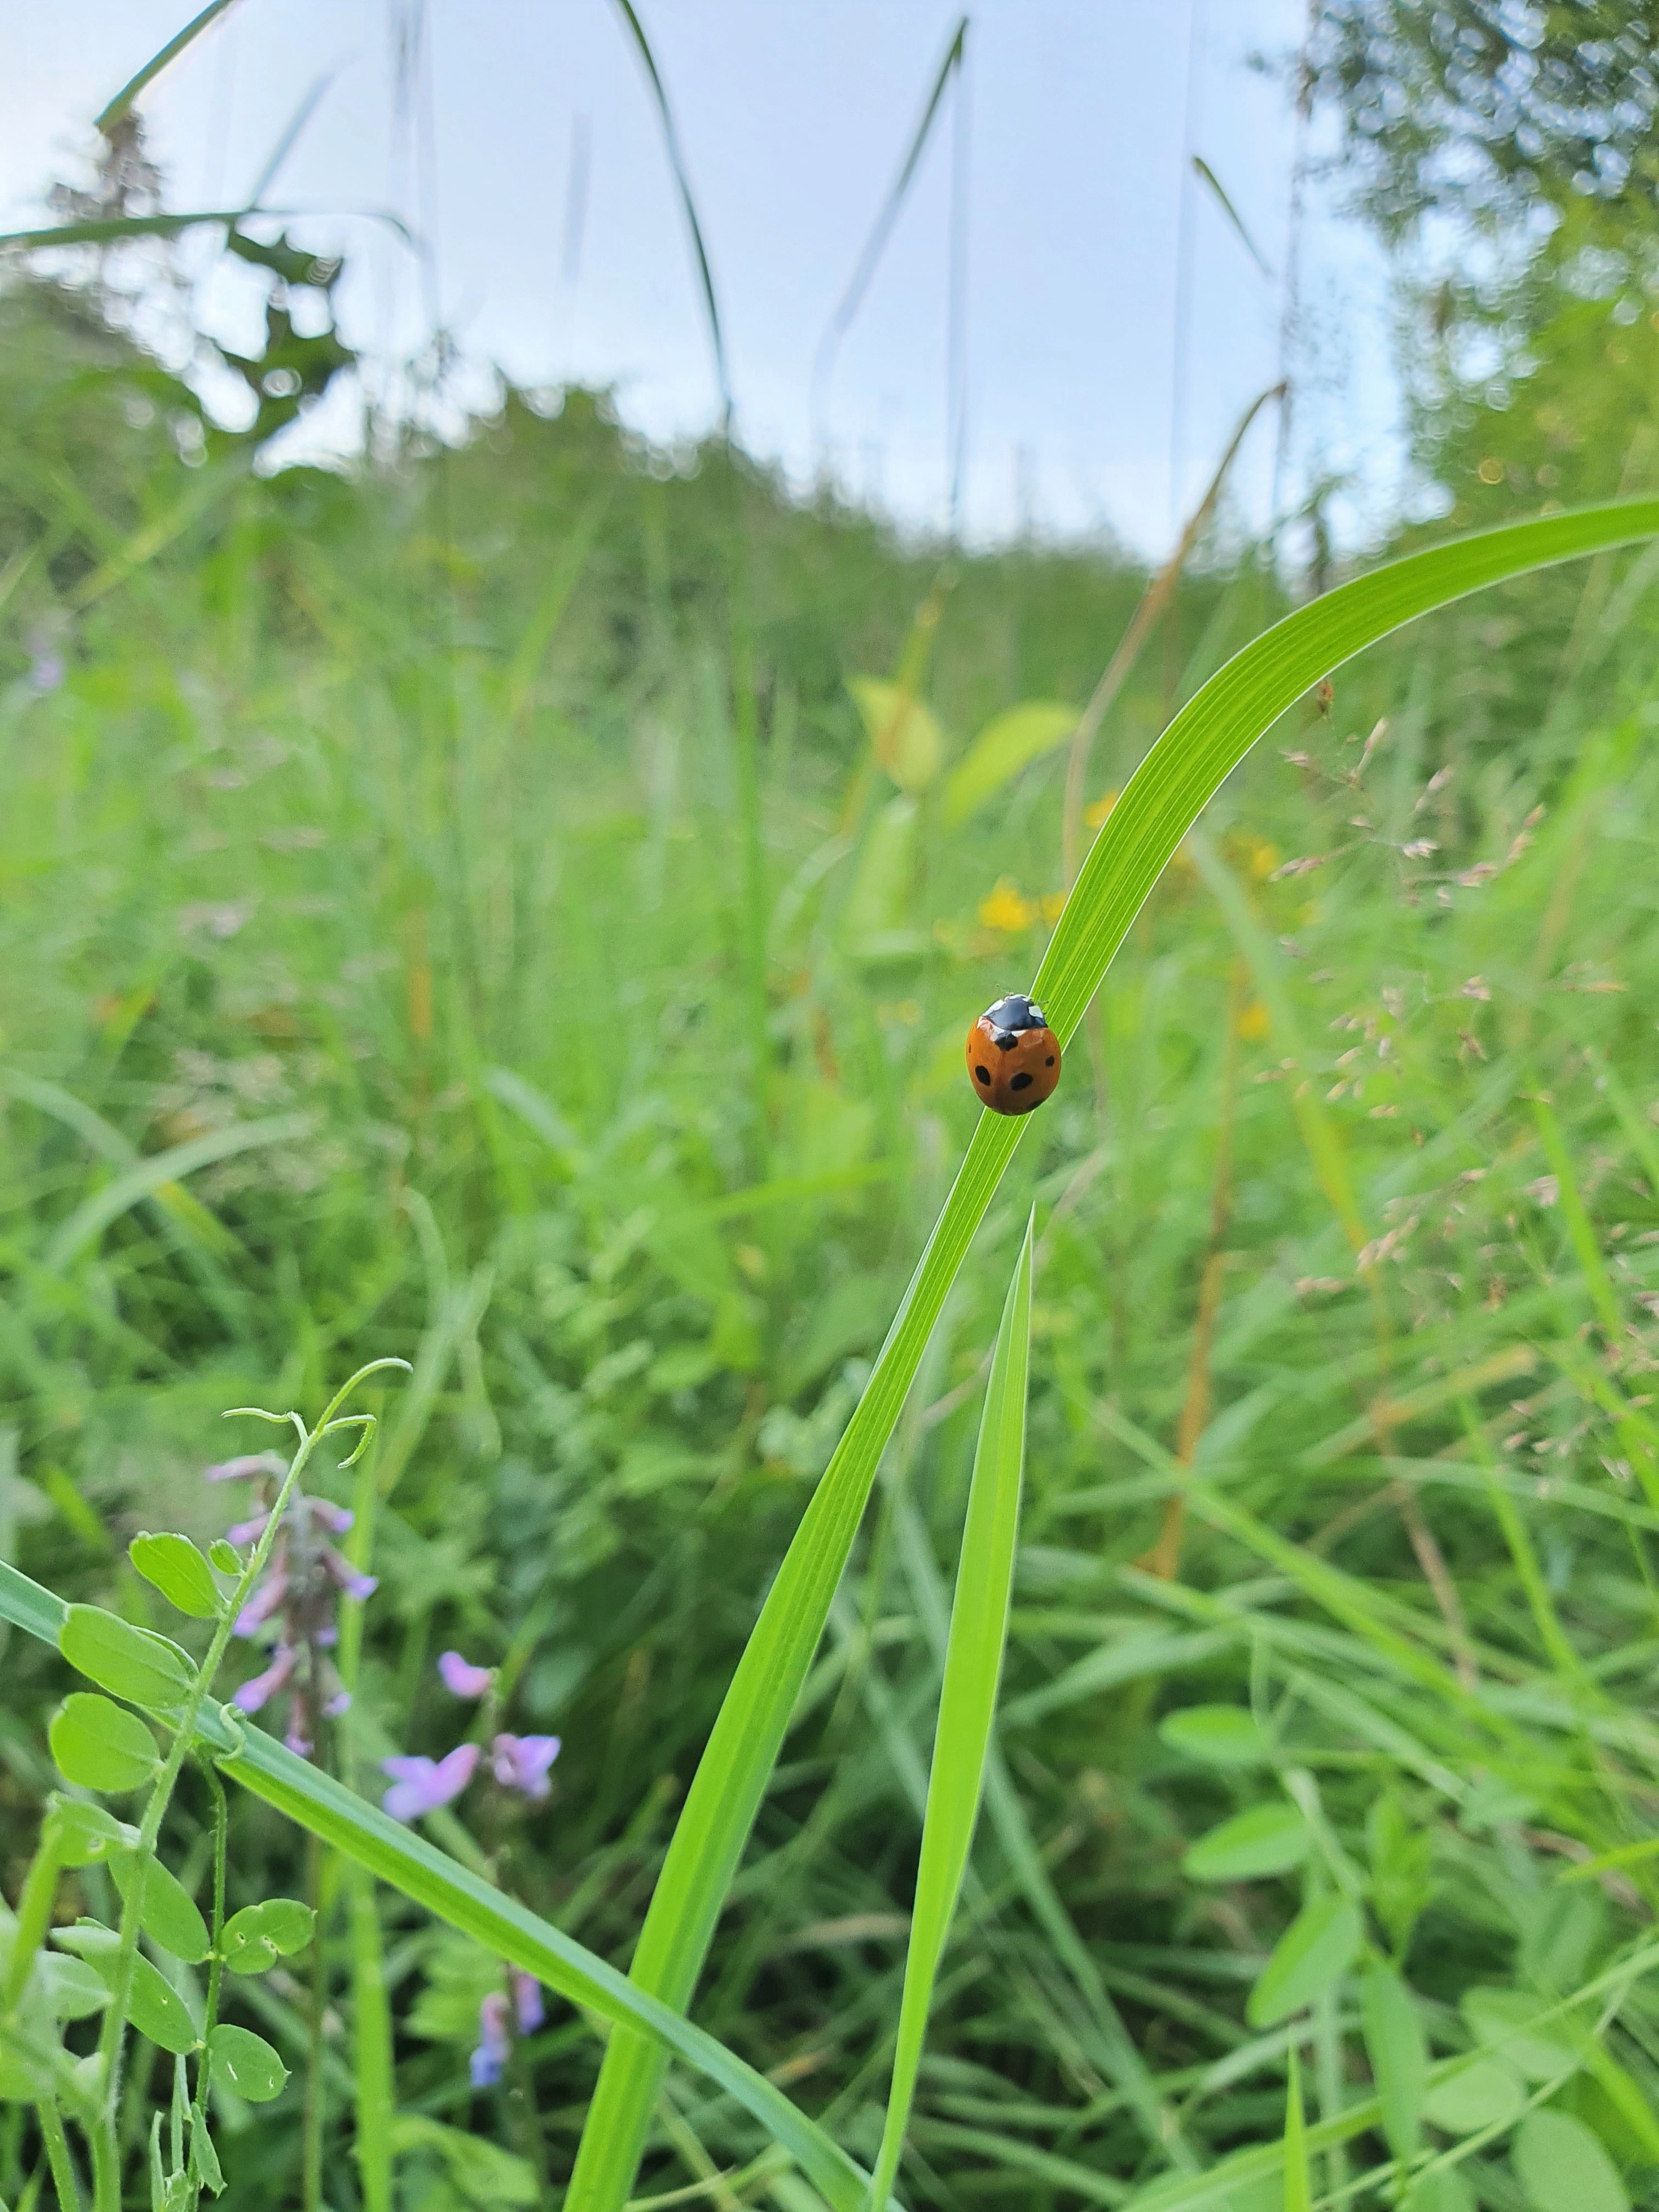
[(677, 163), (1202, 170), (1183, 769), (849, 304), (122, 104), (1298, 2175), (1153, 600), (968, 1696)]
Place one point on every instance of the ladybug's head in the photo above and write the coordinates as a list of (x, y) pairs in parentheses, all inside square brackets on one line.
[(1015, 1012)]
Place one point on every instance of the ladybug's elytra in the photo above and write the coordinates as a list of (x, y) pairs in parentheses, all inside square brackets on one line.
[(1013, 1056)]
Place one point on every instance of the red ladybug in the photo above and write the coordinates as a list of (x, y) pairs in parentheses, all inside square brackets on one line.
[(1013, 1056)]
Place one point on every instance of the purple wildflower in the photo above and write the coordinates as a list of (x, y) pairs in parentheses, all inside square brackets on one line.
[(270, 1598), (422, 1785), (246, 1468), (297, 1598), (252, 1694), (527, 2002), (461, 1677), (493, 2047), (521, 1762)]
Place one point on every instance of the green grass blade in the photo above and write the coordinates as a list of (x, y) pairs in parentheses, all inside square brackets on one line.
[(968, 1696), (153, 67), (1163, 798), (157, 1169), (683, 182), (1298, 2180), (372, 2066), (407, 1862)]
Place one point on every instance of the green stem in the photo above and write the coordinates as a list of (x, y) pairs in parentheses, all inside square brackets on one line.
[(311, 2159), (106, 2157), (57, 2157), (216, 1964)]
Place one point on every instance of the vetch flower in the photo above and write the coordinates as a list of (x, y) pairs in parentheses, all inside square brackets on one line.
[(246, 1468), (520, 1762), (527, 2002), (461, 1677), (298, 1598), (494, 2048), (422, 1785), (252, 1694)]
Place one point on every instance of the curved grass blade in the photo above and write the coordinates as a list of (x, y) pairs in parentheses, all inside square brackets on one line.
[(682, 178), (968, 1696), (155, 1172), (1163, 798), (1202, 170), (509, 1930), (858, 284)]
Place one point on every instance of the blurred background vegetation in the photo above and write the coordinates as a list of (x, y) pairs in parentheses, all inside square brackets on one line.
[(455, 906)]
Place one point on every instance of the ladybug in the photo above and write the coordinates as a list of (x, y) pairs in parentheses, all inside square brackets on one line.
[(1013, 1056)]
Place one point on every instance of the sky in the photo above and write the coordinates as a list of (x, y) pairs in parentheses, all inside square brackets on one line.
[(1111, 323)]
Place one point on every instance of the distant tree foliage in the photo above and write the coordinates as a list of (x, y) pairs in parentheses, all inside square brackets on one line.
[(1494, 108)]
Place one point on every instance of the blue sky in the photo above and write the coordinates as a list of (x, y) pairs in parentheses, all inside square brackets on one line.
[(1115, 325)]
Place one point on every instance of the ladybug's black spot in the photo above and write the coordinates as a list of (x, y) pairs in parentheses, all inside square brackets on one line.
[(983, 1073), (1049, 1061), (1003, 1040), (1021, 1082)]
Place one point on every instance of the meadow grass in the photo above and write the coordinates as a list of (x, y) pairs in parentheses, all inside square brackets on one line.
[(456, 913)]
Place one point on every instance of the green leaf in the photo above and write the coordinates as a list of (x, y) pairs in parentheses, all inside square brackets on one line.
[(144, 1668), (480, 2172), (245, 2062), (1561, 2164), (878, 902), (1398, 2053), (100, 1746), (1008, 743), (178, 1570), (967, 1706), (225, 1556), (1503, 2020), (168, 1914), (257, 1936), (70, 1988), (203, 2159), (1315, 1950), (1267, 1838), (154, 2006), (907, 740), (1298, 2177), (1181, 772), (1484, 2093), (84, 1834), (1220, 1735)]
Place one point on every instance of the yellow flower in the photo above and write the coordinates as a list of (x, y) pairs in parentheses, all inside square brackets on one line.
[(1253, 1022), (1052, 902), (1006, 909), (1263, 858), (1102, 808)]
